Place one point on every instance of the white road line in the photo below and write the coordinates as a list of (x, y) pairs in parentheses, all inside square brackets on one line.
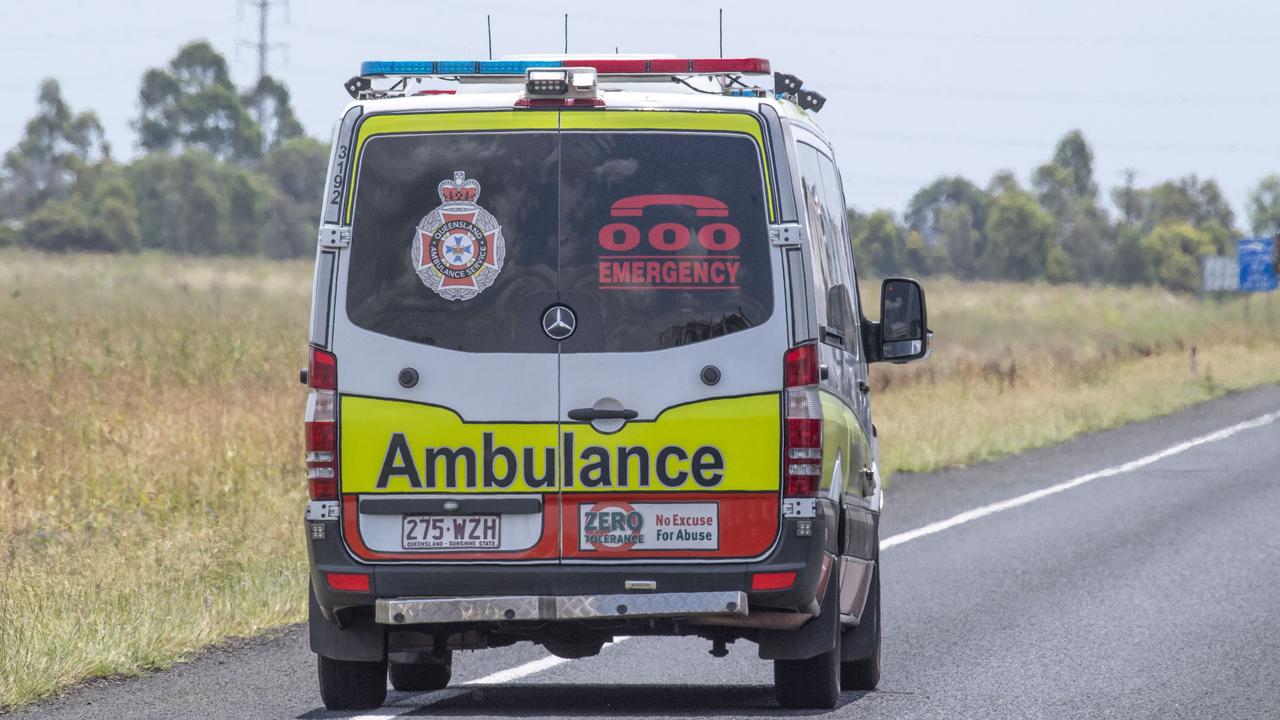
[(529, 668), (546, 663), (519, 671), (985, 510), (428, 699), (498, 678)]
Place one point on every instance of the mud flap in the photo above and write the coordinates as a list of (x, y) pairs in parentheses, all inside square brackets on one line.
[(859, 641), (361, 639), (815, 637)]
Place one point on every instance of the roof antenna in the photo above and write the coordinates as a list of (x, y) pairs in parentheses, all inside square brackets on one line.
[(721, 32), (488, 23), (566, 33)]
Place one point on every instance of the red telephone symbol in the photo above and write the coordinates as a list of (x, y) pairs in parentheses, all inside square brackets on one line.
[(634, 206), (669, 236)]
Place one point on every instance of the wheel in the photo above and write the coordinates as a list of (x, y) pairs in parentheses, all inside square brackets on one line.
[(812, 684), (420, 677), (352, 685), (864, 673)]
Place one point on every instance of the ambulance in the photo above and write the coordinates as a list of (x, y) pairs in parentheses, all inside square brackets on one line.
[(588, 360)]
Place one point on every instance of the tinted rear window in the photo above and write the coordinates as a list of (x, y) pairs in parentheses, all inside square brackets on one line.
[(454, 240), (665, 238), (654, 239)]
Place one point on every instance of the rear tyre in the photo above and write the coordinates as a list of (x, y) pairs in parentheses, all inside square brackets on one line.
[(864, 673), (812, 684), (352, 685), (419, 677)]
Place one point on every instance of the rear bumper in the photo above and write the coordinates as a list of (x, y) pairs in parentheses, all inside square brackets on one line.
[(412, 611), (468, 605), (546, 585)]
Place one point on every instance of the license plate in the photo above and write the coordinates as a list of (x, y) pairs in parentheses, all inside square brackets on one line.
[(450, 532)]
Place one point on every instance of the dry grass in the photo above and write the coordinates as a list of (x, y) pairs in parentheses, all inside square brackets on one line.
[(149, 461), (1017, 366), (150, 453)]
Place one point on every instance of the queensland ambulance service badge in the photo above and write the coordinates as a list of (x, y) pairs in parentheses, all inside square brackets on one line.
[(458, 248)]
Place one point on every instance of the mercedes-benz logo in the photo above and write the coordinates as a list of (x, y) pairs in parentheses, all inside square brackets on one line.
[(559, 322)]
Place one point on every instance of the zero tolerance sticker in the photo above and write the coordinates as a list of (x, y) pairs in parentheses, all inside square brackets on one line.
[(618, 525), (458, 248)]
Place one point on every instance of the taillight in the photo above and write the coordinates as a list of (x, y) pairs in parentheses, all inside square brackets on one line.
[(322, 370), (322, 426), (802, 451), (773, 580), (349, 582)]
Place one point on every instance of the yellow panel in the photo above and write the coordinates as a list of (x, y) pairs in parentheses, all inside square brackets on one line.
[(728, 444), (741, 434), (662, 120), (838, 423)]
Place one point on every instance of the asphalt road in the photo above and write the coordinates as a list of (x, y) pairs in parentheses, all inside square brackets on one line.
[(1139, 579)]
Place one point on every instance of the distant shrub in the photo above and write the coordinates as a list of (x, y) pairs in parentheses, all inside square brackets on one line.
[(1172, 252), (61, 226), (1057, 266)]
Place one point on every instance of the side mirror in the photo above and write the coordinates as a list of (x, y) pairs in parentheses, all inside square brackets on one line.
[(904, 326)]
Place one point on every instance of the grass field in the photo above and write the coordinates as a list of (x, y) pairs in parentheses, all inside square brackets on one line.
[(151, 480), (1017, 366), (151, 462)]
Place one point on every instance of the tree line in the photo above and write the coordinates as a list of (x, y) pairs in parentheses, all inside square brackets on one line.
[(1058, 230), (224, 172), (220, 172)]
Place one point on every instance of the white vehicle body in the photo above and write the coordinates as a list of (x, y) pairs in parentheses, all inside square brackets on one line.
[(588, 363)]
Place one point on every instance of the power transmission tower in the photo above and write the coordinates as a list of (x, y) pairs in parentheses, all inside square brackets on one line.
[(262, 46)]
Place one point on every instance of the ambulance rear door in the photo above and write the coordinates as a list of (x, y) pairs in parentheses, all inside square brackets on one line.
[(669, 401)]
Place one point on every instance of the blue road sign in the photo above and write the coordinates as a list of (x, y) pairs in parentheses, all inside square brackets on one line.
[(1257, 271)]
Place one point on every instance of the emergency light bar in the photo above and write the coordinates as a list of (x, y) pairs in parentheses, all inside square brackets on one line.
[(603, 66), (570, 82)]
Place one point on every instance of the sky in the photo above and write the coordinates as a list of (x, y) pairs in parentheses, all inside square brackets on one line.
[(914, 89)]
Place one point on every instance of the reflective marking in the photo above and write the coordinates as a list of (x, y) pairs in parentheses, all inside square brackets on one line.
[(1141, 462)]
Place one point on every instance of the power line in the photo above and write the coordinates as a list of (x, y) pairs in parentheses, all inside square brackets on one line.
[(386, 39), (1001, 95), (1047, 144), (262, 46), (1163, 40), (127, 35)]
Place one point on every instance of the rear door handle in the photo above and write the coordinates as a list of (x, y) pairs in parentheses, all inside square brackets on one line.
[(589, 414)]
